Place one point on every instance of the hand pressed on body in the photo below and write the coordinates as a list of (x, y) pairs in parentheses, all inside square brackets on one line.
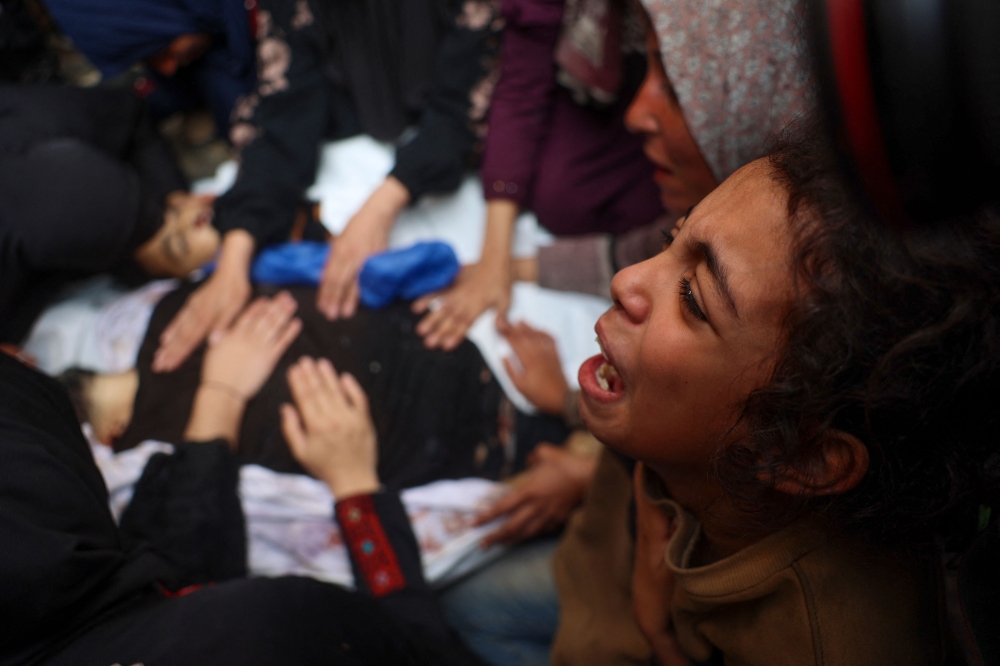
[(367, 233), (553, 486), (237, 364), (212, 307), (329, 430), (540, 377), (478, 288)]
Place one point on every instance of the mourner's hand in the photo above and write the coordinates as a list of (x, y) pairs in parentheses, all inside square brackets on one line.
[(538, 374), (652, 580), (548, 492), (237, 364), (478, 288), (329, 430), (244, 356), (366, 234), (212, 307)]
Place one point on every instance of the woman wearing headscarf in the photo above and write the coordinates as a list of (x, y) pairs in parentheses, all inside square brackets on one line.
[(196, 51), (730, 75), (398, 70), (737, 73), (556, 145)]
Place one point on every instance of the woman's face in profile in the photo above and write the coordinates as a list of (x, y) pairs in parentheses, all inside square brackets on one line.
[(693, 330), (682, 174)]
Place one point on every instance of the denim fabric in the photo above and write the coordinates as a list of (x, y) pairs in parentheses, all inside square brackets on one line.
[(508, 612)]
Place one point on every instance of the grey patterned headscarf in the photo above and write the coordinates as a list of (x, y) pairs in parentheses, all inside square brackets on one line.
[(741, 71)]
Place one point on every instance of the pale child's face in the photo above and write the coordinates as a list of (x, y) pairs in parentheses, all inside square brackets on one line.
[(694, 330), (186, 241), (110, 399)]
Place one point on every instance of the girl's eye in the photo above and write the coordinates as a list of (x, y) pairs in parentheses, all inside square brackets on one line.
[(688, 297)]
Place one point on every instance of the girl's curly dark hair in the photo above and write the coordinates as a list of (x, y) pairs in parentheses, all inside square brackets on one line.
[(895, 340)]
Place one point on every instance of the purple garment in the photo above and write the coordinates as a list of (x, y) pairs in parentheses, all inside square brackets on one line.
[(576, 167)]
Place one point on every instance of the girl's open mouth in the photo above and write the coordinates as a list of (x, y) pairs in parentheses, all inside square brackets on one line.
[(600, 380)]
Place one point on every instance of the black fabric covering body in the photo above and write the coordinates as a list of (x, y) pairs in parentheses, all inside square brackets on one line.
[(436, 413), (77, 589), (186, 508), (83, 176), (249, 622)]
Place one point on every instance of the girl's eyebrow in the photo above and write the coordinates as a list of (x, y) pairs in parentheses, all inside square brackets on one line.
[(719, 271)]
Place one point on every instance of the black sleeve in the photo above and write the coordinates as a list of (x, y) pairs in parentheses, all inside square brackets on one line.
[(186, 508), (385, 559), (279, 127), (438, 154)]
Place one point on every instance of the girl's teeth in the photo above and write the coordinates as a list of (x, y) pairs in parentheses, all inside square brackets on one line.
[(604, 373)]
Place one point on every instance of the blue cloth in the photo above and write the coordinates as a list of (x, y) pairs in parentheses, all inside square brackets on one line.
[(115, 34), (409, 273), (291, 264)]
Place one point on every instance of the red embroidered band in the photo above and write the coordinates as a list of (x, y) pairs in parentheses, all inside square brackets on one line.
[(372, 552)]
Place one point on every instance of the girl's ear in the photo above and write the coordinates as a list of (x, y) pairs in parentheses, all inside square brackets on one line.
[(839, 466)]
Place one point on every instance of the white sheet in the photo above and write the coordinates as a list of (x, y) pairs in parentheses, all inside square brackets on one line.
[(95, 325), (290, 525)]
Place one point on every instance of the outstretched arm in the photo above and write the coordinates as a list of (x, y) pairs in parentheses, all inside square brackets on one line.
[(479, 287), (366, 234), (277, 130), (330, 432), (434, 158)]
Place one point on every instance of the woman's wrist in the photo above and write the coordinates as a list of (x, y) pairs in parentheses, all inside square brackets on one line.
[(344, 483), (216, 414), (524, 269), (226, 389), (237, 253), (500, 218), (387, 202)]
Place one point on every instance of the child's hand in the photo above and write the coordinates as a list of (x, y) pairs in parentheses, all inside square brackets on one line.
[(331, 433), (243, 357), (541, 378), (652, 580)]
